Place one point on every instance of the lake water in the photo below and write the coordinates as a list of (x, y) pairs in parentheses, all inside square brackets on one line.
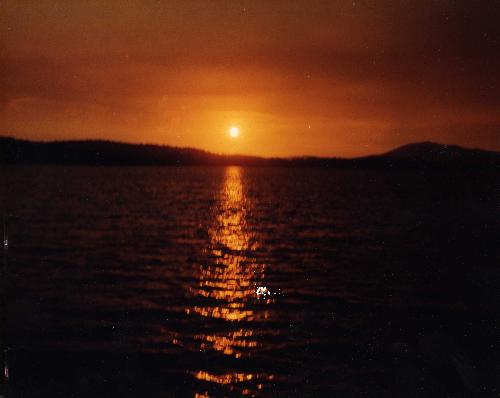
[(212, 282)]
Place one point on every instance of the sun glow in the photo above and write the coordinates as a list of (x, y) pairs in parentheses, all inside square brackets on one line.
[(234, 131)]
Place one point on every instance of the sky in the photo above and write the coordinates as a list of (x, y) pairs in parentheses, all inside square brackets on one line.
[(325, 78)]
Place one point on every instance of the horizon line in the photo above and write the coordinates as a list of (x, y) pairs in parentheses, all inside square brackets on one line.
[(110, 141)]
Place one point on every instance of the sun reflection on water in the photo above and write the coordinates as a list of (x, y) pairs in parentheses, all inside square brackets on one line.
[(228, 283), (231, 277)]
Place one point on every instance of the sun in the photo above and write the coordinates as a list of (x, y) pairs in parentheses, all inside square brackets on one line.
[(234, 131)]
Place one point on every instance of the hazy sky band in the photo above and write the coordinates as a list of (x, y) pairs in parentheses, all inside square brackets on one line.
[(323, 78)]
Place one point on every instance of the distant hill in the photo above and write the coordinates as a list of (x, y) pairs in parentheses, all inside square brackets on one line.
[(432, 152), (95, 152)]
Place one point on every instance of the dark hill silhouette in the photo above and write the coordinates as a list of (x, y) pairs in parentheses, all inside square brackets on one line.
[(431, 151), (96, 152)]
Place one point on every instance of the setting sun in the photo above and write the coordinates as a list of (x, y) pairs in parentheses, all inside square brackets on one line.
[(234, 131)]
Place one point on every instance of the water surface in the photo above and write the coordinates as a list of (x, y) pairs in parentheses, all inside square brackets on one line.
[(250, 281)]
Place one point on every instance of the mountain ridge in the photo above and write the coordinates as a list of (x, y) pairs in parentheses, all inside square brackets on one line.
[(432, 151), (106, 152)]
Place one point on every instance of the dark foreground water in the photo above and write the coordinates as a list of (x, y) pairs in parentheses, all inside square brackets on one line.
[(213, 282)]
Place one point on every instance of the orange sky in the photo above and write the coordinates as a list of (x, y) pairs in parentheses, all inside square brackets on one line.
[(340, 78)]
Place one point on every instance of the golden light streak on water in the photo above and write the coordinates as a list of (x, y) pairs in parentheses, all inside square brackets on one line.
[(230, 280)]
